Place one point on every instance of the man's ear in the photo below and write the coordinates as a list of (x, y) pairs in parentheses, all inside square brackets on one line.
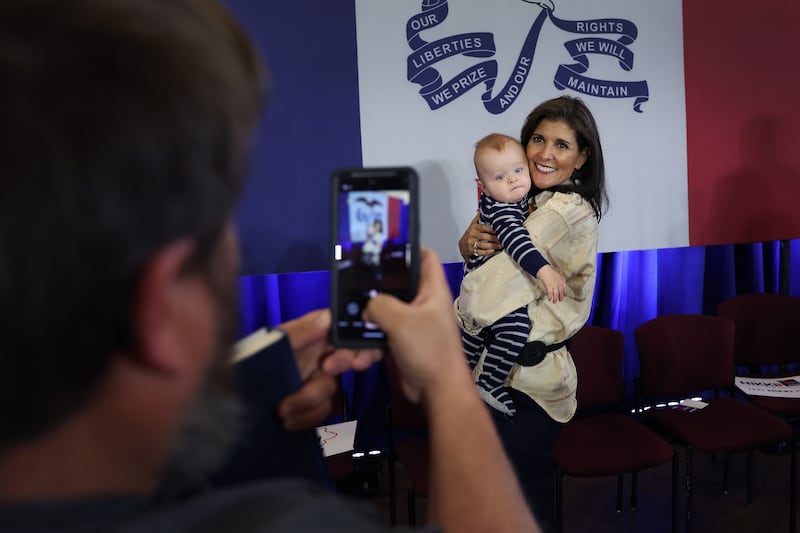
[(158, 307)]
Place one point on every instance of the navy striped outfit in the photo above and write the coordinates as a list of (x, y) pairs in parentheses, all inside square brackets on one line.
[(505, 338)]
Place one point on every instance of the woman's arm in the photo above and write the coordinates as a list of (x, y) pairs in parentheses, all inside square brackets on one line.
[(479, 239)]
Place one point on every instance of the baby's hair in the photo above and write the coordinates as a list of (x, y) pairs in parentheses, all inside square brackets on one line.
[(494, 141)]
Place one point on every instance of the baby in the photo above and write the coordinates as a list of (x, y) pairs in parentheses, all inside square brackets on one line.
[(504, 181)]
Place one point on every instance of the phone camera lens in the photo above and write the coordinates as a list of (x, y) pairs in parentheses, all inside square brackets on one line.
[(352, 309)]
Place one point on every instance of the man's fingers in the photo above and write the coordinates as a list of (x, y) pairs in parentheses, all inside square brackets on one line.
[(366, 358), (431, 271), (308, 329), (309, 339), (310, 418), (310, 405), (343, 360), (382, 307)]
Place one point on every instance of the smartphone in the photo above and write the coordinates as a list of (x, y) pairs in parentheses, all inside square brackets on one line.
[(375, 247)]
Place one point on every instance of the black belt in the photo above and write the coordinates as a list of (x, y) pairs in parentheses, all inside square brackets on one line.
[(533, 352)]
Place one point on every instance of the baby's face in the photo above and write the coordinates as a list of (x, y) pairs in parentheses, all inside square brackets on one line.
[(504, 175)]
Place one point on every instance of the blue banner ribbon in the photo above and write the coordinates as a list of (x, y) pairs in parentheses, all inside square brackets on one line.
[(571, 76), (508, 94), (438, 93), (433, 14)]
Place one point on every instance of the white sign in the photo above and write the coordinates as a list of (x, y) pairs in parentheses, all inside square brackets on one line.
[(337, 438), (437, 75), (787, 387)]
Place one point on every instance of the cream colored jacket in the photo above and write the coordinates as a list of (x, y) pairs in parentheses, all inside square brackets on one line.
[(564, 229)]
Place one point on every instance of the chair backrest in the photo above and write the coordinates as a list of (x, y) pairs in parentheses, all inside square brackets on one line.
[(597, 352), (681, 354), (767, 328)]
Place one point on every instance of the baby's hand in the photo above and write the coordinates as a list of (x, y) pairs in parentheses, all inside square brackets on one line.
[(554, 283)]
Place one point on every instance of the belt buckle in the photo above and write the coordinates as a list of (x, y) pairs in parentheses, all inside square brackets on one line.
[(532, 353)]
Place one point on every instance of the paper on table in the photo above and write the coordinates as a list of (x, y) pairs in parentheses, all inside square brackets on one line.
[(787, 387), (337, 438), (694, 404)]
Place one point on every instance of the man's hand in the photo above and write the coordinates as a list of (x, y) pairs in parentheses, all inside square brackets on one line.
[(465, 450), (318, 362), (423, 335)]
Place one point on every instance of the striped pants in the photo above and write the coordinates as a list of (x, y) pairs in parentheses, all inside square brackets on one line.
[(503, 341)]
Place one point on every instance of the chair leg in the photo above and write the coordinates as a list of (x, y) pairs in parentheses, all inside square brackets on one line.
[(793, 484), (725, 469), (689, 495), (412, 510), (634, 488), (392, 490), (558, 480), (392, 467), (675, 491), (619, 494), (749, 477)]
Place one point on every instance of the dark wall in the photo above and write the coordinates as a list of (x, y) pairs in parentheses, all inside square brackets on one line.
[(312, 128)]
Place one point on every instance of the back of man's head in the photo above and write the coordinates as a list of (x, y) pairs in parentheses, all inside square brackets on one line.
[(125, 126)]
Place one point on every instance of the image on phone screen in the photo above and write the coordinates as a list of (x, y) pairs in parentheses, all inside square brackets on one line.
[(373, 251)]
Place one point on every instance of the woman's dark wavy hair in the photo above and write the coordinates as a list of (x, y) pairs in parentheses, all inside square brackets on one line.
[(589, 181)]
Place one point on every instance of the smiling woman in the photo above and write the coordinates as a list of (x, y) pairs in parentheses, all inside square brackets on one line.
[(553, 153), (570, 121), (534, 383)]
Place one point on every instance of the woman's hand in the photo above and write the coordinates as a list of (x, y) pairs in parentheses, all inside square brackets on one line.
[(479, 239)]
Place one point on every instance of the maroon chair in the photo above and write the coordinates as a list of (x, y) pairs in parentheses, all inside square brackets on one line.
[(603, 439), (682, 355), (407, 430), (767, 343)]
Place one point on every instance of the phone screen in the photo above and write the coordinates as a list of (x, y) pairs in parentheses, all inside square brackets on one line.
[(375, 247)]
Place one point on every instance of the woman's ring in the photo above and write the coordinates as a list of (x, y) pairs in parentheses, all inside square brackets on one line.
[(475, 246)]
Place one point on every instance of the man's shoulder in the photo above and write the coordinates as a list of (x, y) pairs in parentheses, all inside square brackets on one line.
[(276, 505), (270, 506)]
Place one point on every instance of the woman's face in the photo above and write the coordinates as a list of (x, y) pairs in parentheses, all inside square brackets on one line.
[(553, 153)]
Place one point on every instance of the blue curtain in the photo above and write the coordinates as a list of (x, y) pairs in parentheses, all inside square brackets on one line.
[(632, 287)]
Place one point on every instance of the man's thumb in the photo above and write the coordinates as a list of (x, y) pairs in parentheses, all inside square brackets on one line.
[(382, 308)]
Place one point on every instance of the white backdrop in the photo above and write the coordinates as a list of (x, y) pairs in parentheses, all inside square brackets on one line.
[(645, 151)]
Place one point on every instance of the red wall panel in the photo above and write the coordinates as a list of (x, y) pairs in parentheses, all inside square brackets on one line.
[(743, 119)]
